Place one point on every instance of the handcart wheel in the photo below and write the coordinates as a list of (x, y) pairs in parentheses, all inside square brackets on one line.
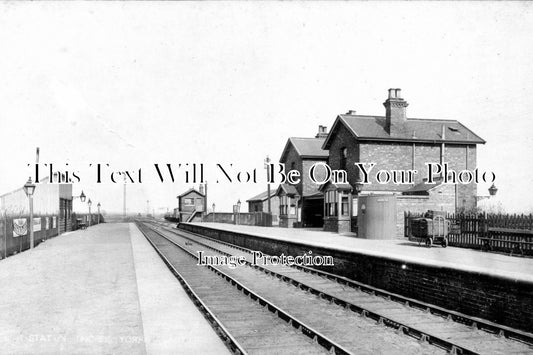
[(444, 242), (429, 242)]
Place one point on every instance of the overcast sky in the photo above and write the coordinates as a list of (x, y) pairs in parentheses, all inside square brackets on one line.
[(133, 84)]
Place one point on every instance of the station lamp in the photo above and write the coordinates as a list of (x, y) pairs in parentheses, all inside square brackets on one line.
[(492, 190), (358, 186), (98, 205), (29, 189)]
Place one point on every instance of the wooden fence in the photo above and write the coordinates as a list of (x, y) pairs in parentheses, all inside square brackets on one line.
[(475, 228)]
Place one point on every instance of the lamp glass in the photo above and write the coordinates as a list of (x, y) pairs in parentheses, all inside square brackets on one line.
[(29, 187), (358, 186), (82, 196), (89, 203)]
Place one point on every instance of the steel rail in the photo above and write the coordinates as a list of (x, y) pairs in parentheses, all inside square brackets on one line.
[(221, 331), (473, 322), (307, 330), (401, 328)]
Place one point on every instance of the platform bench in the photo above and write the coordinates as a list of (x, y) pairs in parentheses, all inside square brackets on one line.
[(512, 240)]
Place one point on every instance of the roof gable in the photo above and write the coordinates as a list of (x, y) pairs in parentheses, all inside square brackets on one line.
[(306, 148), (287, 190), (191, 190), (262, 196)]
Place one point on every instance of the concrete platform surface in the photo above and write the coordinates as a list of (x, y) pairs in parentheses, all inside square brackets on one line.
[(103, 290), (498, 265)]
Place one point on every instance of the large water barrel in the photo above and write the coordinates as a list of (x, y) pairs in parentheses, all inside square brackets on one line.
[(376, 216)]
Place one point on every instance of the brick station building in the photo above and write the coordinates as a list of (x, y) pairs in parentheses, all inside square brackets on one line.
[(302, 204), (392, 142), (395, 142)]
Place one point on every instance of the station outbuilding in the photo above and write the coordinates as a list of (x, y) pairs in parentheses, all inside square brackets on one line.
[(301, 204), (52, 215), (191, 205), (259, 203)]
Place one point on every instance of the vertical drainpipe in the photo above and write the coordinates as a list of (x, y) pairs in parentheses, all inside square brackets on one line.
[(413, 157), (443, 136)]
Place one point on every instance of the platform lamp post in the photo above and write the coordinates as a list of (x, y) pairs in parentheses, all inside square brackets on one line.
[(29, 189), (90, 216), (82, 199), (238, 211), (213, 212), (98, 205), (492, 192)]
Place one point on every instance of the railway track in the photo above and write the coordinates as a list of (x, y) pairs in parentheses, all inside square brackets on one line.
[(445, 329), (311, 322), (241, 318)]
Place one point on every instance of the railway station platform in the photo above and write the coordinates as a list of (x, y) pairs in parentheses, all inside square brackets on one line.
[(491, 286), (103, 290), (492, 264)]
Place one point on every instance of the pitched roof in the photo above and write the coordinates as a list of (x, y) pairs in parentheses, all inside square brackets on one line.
[(306, 148), (189, 191), (414, 130), (422, 188), (338, 186), (288, 189), (263, 196)]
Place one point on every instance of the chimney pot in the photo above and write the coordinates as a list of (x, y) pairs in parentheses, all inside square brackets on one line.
[(351, 112), (322, 132)]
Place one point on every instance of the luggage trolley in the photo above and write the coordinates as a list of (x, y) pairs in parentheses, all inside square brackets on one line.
[(431, 229)]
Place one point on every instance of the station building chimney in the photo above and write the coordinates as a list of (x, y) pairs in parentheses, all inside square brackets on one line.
[(395, 112), (322, 132)]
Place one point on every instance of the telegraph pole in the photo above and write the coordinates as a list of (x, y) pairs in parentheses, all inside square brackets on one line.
[(267, 161), (124, 199)]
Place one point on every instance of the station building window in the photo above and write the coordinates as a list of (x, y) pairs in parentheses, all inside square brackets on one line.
[(345, 206), (343, 158), (283, 205), (188, 201), (330, 200)]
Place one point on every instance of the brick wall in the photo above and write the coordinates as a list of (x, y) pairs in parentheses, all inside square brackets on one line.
[(344, 139), (441, 198), (293, 157), (504, 301), (306, 186), (399, 156)]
